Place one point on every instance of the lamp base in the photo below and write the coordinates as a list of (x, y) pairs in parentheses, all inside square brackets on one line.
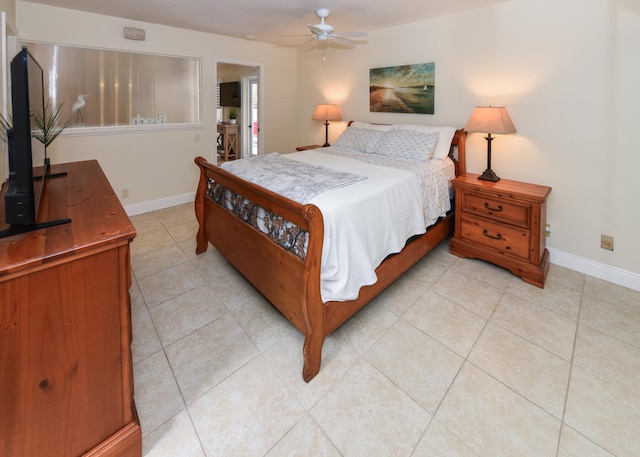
[(489, 175)]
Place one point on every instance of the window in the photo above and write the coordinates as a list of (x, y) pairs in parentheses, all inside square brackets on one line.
[(219, 111), (120, 88)]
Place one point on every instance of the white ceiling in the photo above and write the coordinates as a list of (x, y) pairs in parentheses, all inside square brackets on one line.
[(269, 20)]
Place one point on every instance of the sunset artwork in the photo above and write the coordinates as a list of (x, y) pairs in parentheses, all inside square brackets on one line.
[(402, 89)]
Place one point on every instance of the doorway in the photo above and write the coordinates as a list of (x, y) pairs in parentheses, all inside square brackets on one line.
[(249, 113)]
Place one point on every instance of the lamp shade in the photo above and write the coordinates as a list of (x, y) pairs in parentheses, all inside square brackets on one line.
[(327, 113), (490, 119)]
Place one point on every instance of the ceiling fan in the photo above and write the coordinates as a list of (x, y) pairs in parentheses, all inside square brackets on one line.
[(324, 32)]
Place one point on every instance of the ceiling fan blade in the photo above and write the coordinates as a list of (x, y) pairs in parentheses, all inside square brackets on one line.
[(310, 42), (297, 35), (353, 34), (340, 40)]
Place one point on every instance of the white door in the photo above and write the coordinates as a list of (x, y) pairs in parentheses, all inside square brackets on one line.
[(251, 128)]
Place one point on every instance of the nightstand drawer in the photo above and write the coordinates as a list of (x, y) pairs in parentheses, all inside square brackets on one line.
[(498, 209), (497, 236)]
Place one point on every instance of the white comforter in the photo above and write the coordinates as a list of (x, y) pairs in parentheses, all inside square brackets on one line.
[(363, 222)]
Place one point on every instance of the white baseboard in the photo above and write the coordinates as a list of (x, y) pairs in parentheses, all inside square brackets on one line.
[(154, 205), (597, 270), (573, 262)]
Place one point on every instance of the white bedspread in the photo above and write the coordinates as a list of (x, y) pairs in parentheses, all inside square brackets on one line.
[(294, 179), (363, 222), (368, 220), (434, 177)]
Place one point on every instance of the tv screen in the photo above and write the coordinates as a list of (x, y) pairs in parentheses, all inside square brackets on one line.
[(27, 155), (230, 94), (35, 96)]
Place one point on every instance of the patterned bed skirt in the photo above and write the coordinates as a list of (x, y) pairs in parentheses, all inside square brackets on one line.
[(286, 234)]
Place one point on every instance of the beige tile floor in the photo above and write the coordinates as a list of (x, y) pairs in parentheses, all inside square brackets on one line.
[(458, 358)]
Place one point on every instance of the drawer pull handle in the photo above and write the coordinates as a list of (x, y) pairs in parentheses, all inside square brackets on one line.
[(498, 209), (486, 233)]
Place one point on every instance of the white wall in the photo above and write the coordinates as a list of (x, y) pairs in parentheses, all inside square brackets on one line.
[(157, 167), (8, 7), (567, 72)]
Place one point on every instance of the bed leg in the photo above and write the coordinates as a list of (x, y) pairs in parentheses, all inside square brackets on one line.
[(313, 308), (201, 239), (312, 354)]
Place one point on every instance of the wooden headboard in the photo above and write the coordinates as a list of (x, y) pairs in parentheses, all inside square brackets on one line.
[(459, 142)]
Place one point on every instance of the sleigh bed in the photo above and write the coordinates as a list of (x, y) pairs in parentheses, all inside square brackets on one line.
[(286, 266)]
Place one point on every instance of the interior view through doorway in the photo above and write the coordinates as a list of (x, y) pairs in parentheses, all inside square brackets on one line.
[(248, 111)]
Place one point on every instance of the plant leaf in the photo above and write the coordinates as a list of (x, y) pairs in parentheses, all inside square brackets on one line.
[(49, 123)]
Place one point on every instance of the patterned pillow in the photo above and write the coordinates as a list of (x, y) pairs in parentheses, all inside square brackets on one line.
[(362, 140), (445, 136), (408, 145)]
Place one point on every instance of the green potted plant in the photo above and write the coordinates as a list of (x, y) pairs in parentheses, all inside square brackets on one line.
[(5, 126), (49, 123), (233, 115)]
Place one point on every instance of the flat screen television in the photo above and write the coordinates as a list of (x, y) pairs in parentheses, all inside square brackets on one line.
[(230, 94), (28, 164)]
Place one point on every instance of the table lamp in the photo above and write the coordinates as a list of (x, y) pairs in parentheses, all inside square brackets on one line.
[(326, 113), (490, 119)]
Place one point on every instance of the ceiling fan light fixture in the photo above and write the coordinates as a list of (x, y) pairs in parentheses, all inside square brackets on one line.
[(324, 33)]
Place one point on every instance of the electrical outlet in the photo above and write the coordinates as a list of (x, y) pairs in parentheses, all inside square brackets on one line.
[(606, 242), (548, 231), (124, 193)]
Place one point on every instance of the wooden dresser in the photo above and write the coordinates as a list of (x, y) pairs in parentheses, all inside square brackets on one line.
[(503, 223), (66, 381)]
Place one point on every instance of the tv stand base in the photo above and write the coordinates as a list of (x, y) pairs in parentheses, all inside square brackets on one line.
[(51, 176), (15, 229)]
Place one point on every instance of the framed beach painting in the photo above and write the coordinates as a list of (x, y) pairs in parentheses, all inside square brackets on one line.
[(403, 89)]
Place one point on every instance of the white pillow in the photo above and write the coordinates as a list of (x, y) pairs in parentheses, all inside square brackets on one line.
[(362, 140), (365, 125), (445, 135), (408, 145)]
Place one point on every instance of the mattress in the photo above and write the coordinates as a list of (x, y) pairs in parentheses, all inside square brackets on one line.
[(368, 220)]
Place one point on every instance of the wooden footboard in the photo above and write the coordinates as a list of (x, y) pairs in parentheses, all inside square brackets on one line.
[(290, 283)]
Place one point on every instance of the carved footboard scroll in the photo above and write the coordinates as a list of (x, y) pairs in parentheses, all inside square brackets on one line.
[(291, 284)]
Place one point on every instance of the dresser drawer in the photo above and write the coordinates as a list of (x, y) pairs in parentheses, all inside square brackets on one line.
[(497, 236), (498, 209)]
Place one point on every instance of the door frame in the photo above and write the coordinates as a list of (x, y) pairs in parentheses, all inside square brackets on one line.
[(259, 71), (245, 83)]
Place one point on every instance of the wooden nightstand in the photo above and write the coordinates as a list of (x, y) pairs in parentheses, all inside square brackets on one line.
[(503, 223), (309, 146)]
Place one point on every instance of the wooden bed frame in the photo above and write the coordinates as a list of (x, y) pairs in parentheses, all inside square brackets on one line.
[(291, 284)]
